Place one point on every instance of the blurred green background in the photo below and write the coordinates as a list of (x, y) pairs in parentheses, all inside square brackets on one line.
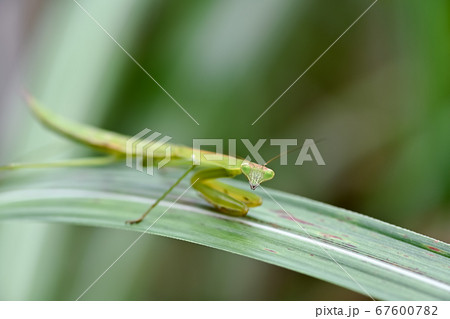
[(380, 99)]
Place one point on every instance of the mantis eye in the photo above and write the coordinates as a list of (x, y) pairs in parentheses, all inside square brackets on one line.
[(245, 168), (268, 174)]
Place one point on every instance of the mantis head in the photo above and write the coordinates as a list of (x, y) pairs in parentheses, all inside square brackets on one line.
[(256, 173)]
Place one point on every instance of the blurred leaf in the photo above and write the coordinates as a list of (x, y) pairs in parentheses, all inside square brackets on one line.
[(374, 257)]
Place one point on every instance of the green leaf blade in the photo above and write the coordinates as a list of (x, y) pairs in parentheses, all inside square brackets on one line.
[(329, 243)]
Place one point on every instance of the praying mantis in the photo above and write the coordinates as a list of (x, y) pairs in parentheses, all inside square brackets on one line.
[(225, 198)]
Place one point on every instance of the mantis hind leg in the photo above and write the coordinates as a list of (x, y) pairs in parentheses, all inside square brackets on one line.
[(227, 199), (77, 162)]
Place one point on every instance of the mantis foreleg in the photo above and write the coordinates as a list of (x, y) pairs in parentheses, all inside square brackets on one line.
[(228, 199)]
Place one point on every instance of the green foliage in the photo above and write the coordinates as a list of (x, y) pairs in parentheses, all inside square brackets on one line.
[(329, 243)]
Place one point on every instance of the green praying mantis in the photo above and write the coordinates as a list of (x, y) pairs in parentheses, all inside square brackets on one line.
[(225, 198)]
